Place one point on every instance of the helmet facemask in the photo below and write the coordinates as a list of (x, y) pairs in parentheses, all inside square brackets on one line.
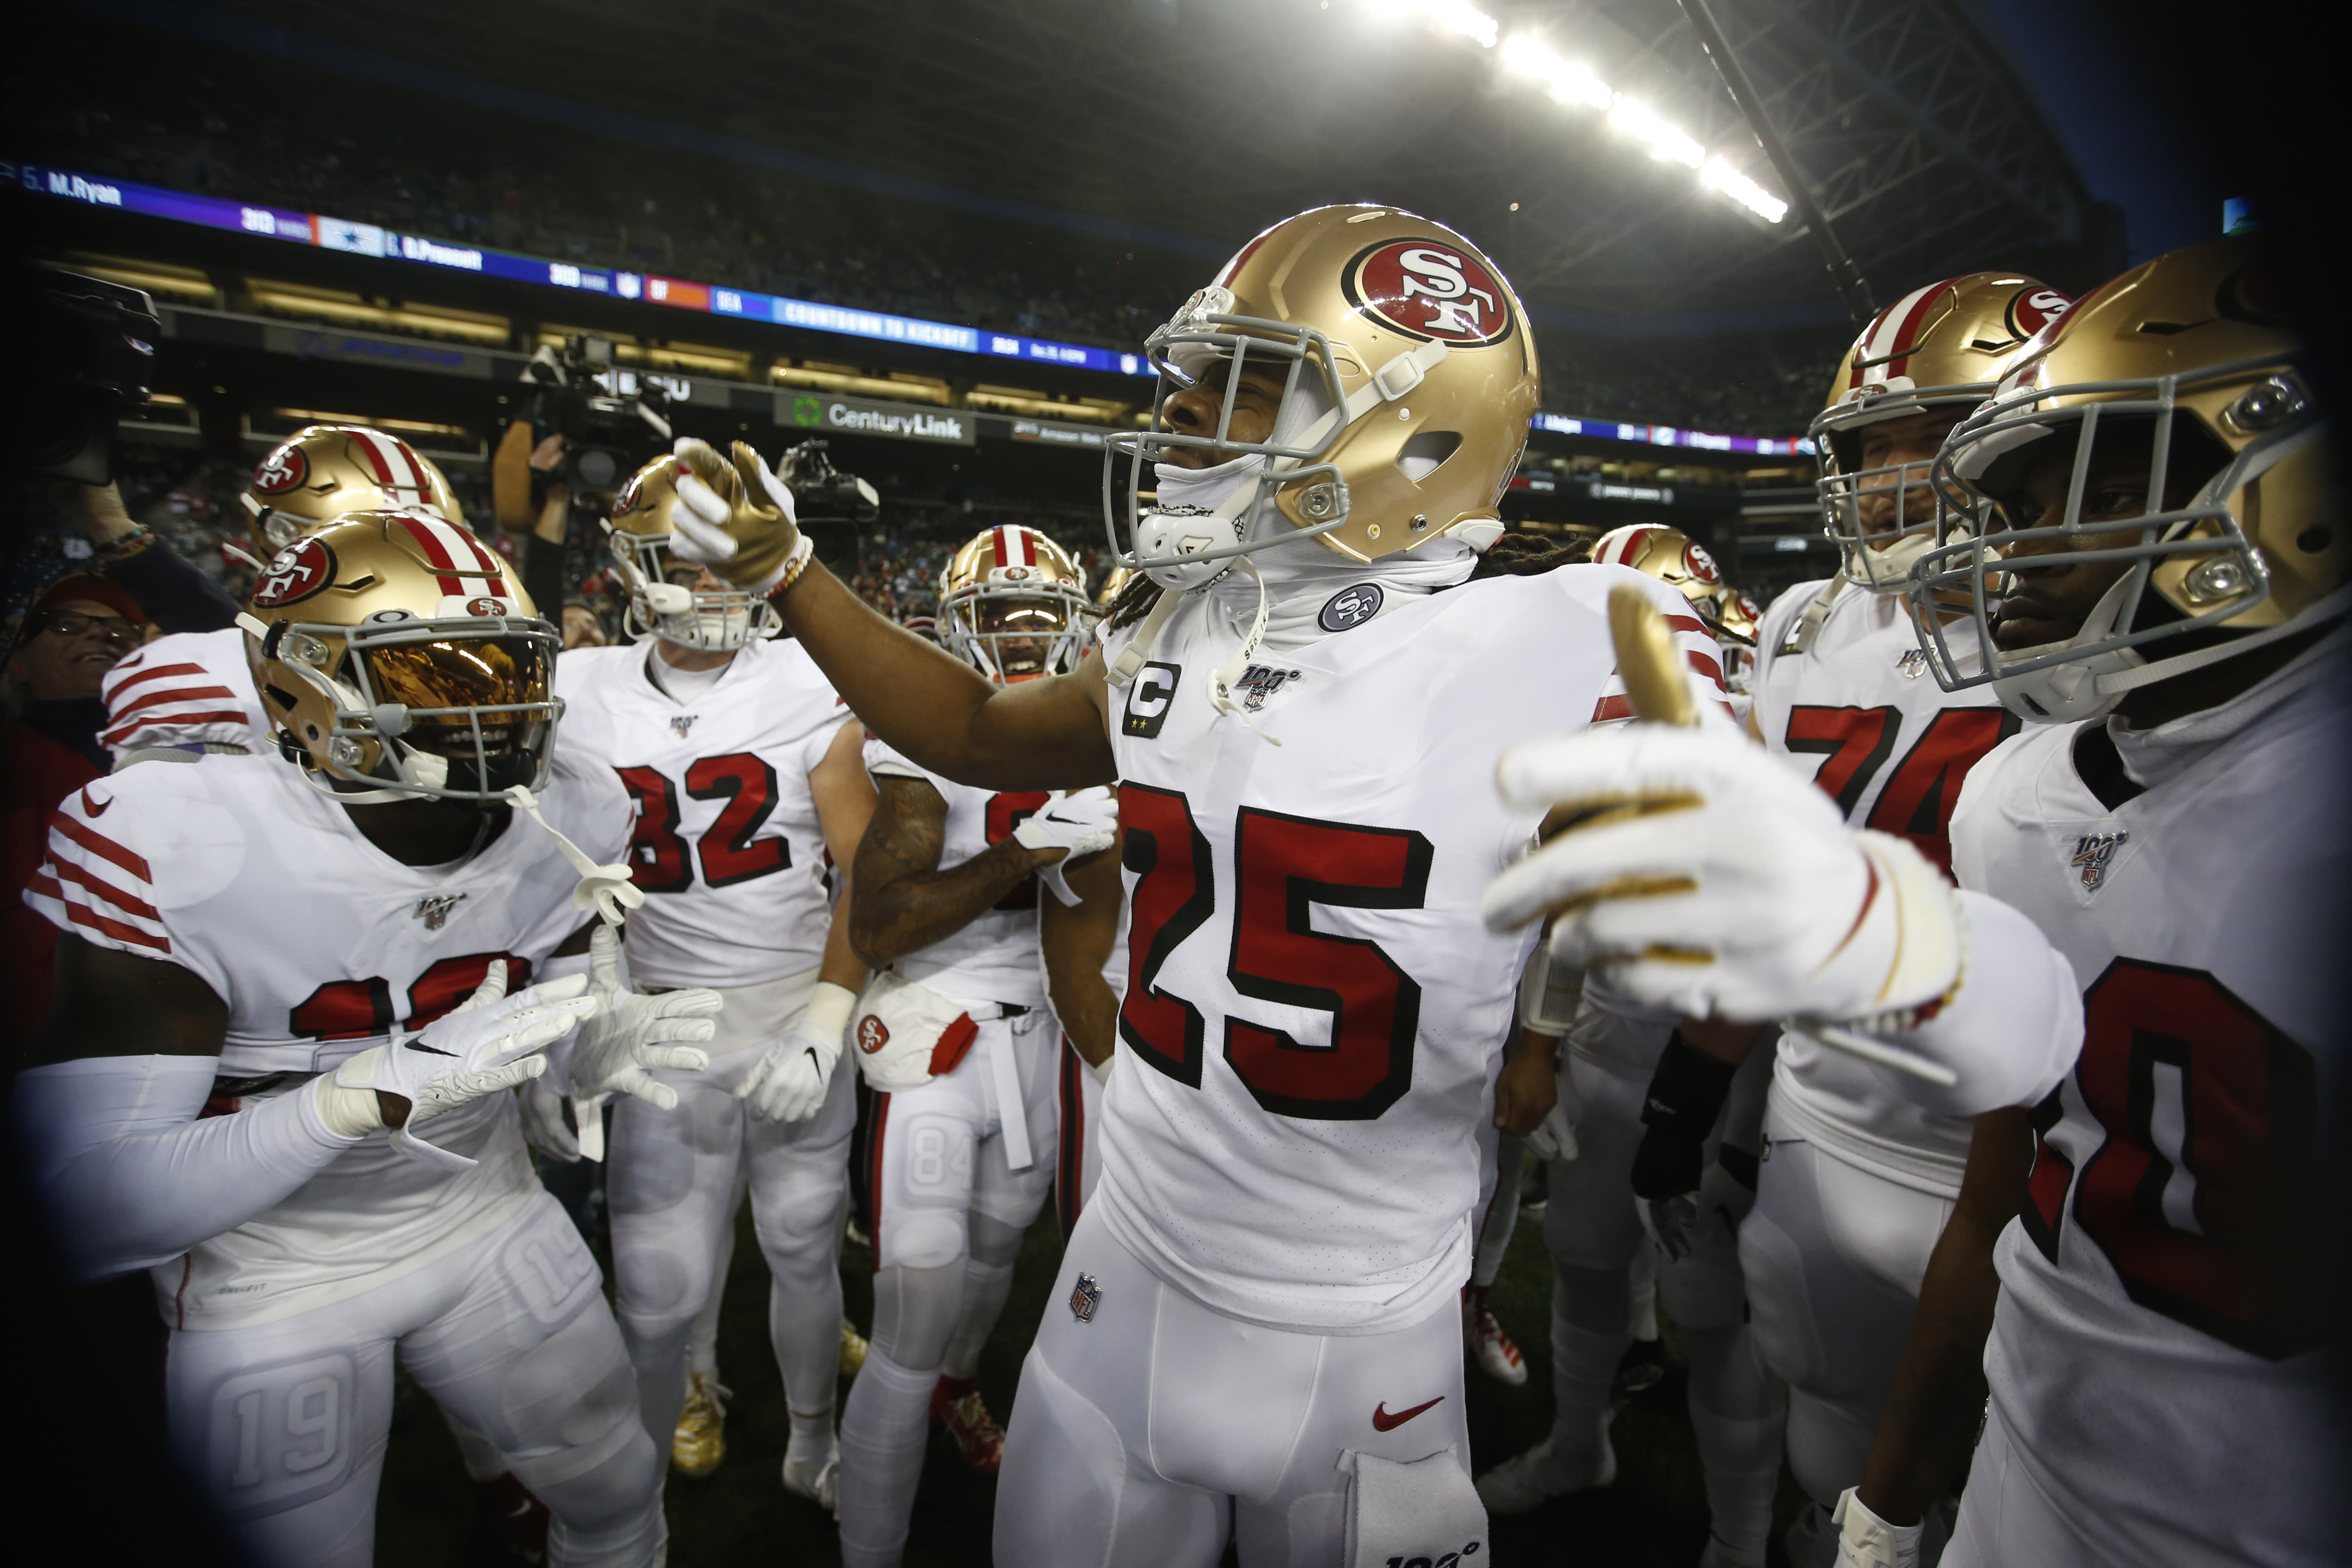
[(1175, 542), (1883, 518), (444, 709), (2180, 565), (1013, 633), (672, 600)]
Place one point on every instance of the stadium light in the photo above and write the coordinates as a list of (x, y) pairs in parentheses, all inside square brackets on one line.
[(1524, 55)]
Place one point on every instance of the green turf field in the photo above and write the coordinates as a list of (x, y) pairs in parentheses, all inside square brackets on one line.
[(1655, 1514)]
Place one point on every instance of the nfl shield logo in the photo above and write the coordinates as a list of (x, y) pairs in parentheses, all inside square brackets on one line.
[(2094, 852), (1085, 1298), (681, 723)]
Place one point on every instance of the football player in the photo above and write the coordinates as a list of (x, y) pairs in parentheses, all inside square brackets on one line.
[(955, 1040), (1592, 1223), (2165, 579), (748, 783), (1860, 1181), (281, 1036), (192, 692), (1084, 946), (1258, 1326)]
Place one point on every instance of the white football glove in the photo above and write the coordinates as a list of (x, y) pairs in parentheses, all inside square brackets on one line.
[(790, 1081), (1867, 1540), (1713, 881), (1554, 1137), (737, 522), (1722, 1199), (542, 1122), (629, 1035), (1081, 822), (489, 1043)]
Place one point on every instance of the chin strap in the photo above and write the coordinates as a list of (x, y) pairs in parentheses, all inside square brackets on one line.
[(604, 888), (1221, 682), (1130, 663)]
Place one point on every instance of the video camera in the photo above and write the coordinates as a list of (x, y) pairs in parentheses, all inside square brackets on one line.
[(832, 507), (612, 420), (86, 351)]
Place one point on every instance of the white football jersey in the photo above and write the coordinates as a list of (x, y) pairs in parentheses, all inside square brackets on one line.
[(995, 958), (190, 689), (1860, 714), (320, 945), (1314, 1007), (727, 846), (2155, 1352)]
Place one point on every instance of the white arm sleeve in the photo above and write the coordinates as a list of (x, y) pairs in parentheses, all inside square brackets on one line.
[(128, 1175), (2014, 1029)]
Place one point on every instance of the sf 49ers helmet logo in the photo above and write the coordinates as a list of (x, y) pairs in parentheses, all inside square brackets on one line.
[(1427, 290), (873, 1034), (2036, 309), (297, 571), (1701, 565), (283, 470)]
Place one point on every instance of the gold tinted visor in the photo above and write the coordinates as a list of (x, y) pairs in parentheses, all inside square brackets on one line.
[(1021, 617), (432, 677)]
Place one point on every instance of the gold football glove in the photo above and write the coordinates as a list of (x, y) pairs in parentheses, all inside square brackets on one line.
[(736, 518)]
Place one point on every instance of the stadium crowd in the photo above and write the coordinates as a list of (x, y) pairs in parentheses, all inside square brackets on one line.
[(478, 175)]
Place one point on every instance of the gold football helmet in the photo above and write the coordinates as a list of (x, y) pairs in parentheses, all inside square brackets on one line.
[(1941, 347), (1113, 581), (1684, 565), (1014, 604), (671, 599), (325, 470), (2184, 373), (395, 652), (1409, 376)]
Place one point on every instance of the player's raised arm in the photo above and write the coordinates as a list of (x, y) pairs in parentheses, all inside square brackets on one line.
[(938, 710)]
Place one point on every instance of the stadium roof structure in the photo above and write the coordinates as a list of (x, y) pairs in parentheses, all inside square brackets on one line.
[(1187, 124)]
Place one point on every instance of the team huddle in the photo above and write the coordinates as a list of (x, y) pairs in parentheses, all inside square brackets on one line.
[(1906, 974)]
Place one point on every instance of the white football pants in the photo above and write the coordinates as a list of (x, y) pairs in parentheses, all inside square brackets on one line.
[(1141, 1429), (1595, 1235), (286, 1421), (675, 1179), (948, 1207), (1833, 1257)]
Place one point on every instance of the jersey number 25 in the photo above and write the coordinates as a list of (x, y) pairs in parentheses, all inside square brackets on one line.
[(1283, 866)]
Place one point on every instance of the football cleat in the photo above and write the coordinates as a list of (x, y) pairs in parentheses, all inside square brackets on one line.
[(853, 1350), (700, 1440), (1492, 1348), (957, 1406), (1524, 1483), (812, 1470), (1643, 1368)]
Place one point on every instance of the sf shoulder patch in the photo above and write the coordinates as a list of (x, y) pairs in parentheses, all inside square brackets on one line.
[(1085, 1298), (1148, 698), (1351, 608)]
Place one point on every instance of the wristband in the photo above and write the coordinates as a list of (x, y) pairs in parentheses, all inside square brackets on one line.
[(794, 564), (347, 1113), (1685, 1095), (828, 1010)]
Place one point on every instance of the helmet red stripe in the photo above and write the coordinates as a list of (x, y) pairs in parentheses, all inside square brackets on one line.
[(1907, 338), (436, 551), (996, 537), (365, 441), (1028, 547)]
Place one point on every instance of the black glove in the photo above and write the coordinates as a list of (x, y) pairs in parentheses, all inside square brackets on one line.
[(1687, 1094)]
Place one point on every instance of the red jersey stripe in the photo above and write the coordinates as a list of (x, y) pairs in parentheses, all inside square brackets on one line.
[(122, 732), (99, 844), (176, 694), (143, 677), (66, 871)]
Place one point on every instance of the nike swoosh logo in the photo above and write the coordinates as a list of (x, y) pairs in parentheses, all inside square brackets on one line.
[(435, 1051), (1385, 1422), (92, 807)]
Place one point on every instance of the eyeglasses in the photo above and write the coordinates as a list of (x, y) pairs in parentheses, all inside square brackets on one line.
[(73, 624)]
